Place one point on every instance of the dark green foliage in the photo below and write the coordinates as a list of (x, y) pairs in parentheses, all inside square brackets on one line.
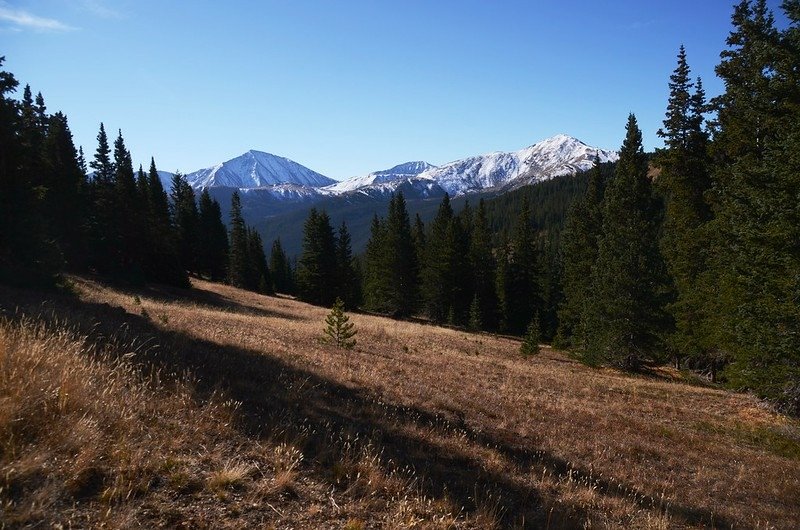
[(521, 286), (579, 243), (376, 264), (161, 260), (683, 183), (533, 335), (128, 241), (316, 270), (281, 269), (624, 321), (446, 276), (401, 260), (755, 196), (339, 330), (212, 257), (237, 254), (258, 277), (483, 309), (185, 220), (347, 279)]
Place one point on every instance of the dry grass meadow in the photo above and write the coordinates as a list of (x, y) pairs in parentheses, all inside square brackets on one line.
[(218, 408)]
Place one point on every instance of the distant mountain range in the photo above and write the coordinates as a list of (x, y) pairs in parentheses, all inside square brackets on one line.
[(275, 178), (276, 193)]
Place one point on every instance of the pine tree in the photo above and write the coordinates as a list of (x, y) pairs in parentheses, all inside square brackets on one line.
[(483, 271), (102, 201), (129, 213), (377, 285), (523, 295), (755, 261), (259, 276), (624, 321), (579, 244), (437, 277), (213, 243), (185, 220), (403, 270), (533, 335), (280, 268), (347, 281), (338, 328), (316, 271), (237, 256), (683, 182), (64, 200)]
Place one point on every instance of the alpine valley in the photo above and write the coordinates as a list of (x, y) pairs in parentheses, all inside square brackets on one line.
[(276, 192)]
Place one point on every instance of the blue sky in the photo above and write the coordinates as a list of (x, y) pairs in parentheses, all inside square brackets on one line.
[(350, 87)]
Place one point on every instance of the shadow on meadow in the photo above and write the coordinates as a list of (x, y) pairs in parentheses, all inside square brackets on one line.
[(281, 401)]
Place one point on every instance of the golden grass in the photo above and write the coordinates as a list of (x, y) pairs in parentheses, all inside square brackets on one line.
[(426, 427)]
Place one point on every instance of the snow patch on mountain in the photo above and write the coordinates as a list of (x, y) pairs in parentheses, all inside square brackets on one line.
[(391, 176)]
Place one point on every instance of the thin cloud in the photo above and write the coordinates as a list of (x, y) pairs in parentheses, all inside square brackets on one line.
[(100, 9), (24, 20)]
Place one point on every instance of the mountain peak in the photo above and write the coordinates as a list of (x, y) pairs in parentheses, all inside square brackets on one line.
[(257, 169)]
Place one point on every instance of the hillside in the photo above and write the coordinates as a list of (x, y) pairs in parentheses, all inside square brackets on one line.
[(418, 427)]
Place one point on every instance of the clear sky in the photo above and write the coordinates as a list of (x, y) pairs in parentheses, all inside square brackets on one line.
[(348, 87)]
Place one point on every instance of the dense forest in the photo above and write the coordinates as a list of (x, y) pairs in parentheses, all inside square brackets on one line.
[(690, 256)]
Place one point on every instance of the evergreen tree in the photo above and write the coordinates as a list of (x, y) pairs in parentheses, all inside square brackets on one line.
[(338, 328), (185, 220), (683, 183), (129, 213), (25, 255), (237, 255), (316, 271), (754, 198), (533, 335), (102, 197), (259, 278), (523, 289), (484, 304), (280, 267), (213, 243), (624, 321), (347, 281), (403, 270), (437, 278), (377, 286), (64, 200), (579, 244)]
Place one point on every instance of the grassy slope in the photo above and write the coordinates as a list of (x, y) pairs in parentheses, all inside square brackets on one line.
[(418, 423)]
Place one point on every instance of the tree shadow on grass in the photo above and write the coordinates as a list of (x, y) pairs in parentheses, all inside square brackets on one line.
[(275, 397)]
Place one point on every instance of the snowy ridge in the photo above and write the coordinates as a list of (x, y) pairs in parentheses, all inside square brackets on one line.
[(555, 156), (401, 172), (282, 179), (256, 169)]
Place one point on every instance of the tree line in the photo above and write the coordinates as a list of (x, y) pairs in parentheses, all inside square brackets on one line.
[(56, 216)]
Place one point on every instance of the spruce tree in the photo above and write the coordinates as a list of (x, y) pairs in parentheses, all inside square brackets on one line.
[(403, 269), (683, 182), (624, 321), (103, 234), (754, 198), (347, 281), (237, 254), (437, 277), (129, 214), (523, 295), (338, 329), (377, 285), (316, 271), (213, 241), (533, 335), (579, 244), (483, 272), (280, 268), (185, 221), (259, 277)]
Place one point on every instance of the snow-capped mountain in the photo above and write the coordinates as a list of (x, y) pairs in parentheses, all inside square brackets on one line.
[(555, 156), (283, 180), (256, 169), (392, 176)]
